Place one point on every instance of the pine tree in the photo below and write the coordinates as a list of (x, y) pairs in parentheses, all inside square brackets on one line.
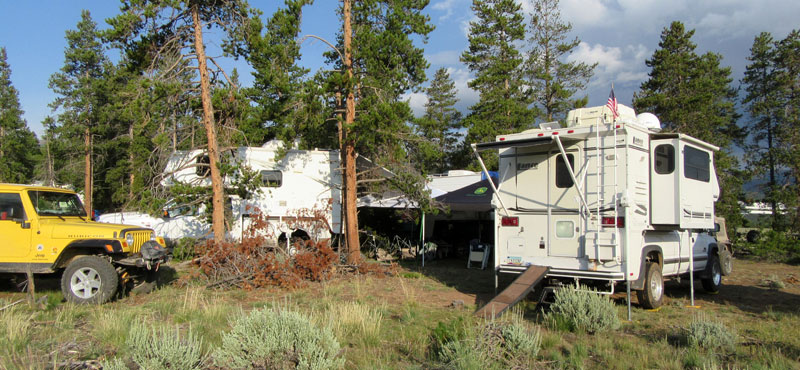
[(379, 63), (494, 59), (691, 94), (18, 145), (285, 99), (553, 80), (788, 128), (157, 26), (81, 97), (438, 128), (762, 100)]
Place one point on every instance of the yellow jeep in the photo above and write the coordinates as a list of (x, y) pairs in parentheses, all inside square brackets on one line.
[(46, 230)]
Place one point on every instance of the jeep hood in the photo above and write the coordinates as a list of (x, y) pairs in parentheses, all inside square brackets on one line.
[(77, 229)]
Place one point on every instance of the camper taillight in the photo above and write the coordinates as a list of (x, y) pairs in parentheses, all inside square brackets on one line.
[(509, 221), (609, 222)]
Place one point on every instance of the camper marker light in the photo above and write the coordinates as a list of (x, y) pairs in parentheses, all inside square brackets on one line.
[(555, 133), (542, 134), (570, 131), (509, 221), (502, 139), (609, 221)]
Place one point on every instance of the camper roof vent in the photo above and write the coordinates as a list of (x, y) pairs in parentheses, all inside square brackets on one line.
[(649, 121)]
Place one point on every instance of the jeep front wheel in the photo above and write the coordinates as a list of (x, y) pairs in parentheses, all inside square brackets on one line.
[(89, 280)]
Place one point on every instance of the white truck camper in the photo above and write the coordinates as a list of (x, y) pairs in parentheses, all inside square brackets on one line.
[(300, 193), (606, 201)]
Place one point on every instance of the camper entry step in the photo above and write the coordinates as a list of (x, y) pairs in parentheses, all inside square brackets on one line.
[(514, 292)]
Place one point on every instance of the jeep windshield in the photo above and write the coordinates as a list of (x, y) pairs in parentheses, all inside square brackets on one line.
[(52, 203)]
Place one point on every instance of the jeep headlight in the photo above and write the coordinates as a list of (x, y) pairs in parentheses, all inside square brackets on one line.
[(153, 236), (129, 239)]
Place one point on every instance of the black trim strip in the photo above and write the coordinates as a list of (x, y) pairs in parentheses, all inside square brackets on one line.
[(670, 261), (514, 143), (20, 267)]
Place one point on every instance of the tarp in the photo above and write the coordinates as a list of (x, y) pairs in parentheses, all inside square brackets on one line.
[(474, 197)]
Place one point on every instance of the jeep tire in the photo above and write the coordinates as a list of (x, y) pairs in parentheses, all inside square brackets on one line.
[(653, 293), (89, 280), (713, 279)]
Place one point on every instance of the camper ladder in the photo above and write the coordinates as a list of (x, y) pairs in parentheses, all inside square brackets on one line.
[(606, 159)]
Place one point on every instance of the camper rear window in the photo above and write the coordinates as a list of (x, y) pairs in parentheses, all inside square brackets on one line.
[(696, 164), (665, 159), (563, 179), (271, 179)]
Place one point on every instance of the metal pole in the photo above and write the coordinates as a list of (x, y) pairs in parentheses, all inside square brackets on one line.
[(628, 291), (691, 268), (491, 183), (422, 236)]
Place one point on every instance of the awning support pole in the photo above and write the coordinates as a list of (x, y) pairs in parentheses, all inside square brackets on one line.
[(491, 183), (572, 174)]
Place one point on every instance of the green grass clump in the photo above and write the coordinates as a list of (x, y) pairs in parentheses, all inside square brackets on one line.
[(709, 334), (580, 310), (164, 348), (278, 339)]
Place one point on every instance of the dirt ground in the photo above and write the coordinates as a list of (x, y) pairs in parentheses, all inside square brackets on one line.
[(747, 288)]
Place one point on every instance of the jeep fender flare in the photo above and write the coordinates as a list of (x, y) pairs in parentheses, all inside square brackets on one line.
[(647, 252), (86, 247)]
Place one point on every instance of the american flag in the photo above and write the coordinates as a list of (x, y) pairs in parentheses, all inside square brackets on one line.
[(612, 103)]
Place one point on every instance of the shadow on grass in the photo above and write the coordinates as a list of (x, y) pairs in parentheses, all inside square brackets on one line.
[(453, 272), (748, 298)]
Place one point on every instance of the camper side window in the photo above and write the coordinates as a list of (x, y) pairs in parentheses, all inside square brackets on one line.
[(665, 159), (271, 179), (696, 164), (203, 168), (563, 179)]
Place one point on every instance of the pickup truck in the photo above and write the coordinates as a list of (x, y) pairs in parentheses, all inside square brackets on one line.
[(46, 230)]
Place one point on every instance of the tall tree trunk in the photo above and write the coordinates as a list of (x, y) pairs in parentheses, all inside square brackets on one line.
[(218, 193), (351, 214), (87, 178), (132, 175)]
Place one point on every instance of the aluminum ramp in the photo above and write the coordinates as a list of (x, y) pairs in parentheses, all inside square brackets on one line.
[(514, 293)]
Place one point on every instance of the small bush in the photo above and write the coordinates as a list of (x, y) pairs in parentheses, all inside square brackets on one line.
[(580, 310), (773, 282), (272, 339), (354, 320), (162, 348), (492, 346), (709, 334), (184, 249), (776, 246)]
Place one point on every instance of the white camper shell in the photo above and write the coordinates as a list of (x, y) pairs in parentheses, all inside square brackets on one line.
[(606, 201), (300, 193)]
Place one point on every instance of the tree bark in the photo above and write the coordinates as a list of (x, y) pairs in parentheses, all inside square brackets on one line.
[(349, 155), (87, 177), (218, 193)]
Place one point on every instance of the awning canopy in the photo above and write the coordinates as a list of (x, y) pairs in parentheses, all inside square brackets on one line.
[(474, 197)]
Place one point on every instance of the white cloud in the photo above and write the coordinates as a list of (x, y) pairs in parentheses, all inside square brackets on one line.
[(416, 101), (444, 57), (614, 64), (445, 6)]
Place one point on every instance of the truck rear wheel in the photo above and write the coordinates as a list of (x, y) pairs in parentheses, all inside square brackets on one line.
[(713, 279), (89, 280), (653, 293)]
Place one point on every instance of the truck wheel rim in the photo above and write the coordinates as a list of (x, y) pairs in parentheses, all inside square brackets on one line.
[(717, 275), (656, 287), (85, 283)]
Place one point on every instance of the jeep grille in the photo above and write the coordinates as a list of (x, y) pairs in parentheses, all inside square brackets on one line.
[(139, 238)]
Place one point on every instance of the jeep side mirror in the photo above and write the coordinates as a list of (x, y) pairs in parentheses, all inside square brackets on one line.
[(25, 225)]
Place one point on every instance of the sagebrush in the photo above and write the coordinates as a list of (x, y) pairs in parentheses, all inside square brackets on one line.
[(710, 334), (582, 310), (156, 348), (491, 345), (278, 339)]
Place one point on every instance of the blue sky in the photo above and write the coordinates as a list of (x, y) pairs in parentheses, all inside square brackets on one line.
[(617, 34)]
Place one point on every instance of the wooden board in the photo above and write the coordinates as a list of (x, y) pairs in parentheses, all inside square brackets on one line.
[(514, 293)]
